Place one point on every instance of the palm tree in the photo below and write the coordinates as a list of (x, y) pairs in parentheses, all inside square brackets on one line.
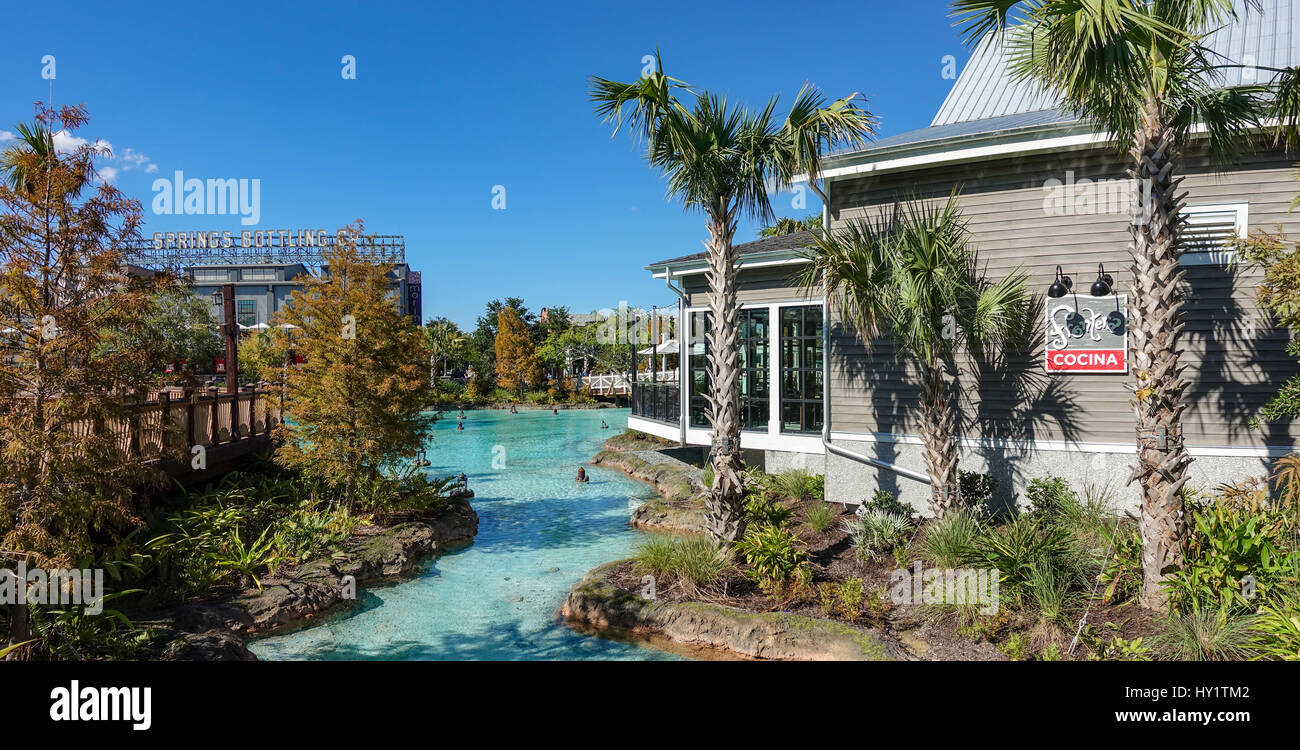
[(722, 160), (444, 340), (909, 276), (787, 225), (1141, 72)]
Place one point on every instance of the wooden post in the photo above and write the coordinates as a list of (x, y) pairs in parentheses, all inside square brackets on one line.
[(165, 409), (232, 339)]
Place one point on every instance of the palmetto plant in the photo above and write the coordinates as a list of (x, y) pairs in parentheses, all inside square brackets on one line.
[(723, 159), (1140, 71), (909, 276)]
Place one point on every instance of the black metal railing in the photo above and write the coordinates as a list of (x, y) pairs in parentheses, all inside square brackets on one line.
[(657, 401)]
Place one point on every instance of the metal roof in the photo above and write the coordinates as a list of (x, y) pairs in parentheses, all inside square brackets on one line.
[(985, 99), (794, 241)]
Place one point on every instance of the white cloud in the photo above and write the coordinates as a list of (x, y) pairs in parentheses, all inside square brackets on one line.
[(108, 175), (65, 142), (151, 168), (5, 135)]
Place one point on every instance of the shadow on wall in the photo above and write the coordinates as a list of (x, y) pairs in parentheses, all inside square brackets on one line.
[(1014, 402), (1004, 398), (1243, 359)]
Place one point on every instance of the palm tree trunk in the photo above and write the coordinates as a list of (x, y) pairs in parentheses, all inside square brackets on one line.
[(937, 419), (1155, 325), (724, 505)]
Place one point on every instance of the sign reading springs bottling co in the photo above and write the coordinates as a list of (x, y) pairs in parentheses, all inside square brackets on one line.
[(1087, 334)]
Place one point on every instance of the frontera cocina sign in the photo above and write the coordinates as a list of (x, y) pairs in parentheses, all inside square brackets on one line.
[(1087, 334)]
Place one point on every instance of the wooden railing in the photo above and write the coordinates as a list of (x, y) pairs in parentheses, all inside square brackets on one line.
[(173, 420)]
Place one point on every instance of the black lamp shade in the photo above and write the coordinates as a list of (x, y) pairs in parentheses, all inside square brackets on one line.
[(1100, 288), (1057, 289)]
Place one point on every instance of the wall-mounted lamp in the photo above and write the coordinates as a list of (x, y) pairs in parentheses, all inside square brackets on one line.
[(1104, 284), (1061, 286)]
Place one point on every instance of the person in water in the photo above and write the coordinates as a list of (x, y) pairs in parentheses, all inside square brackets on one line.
[(555, 411), (461, 415), (603, 426), (582, 475), (460, 425)]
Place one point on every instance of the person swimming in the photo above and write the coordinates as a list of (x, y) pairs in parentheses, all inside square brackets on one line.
[(582, 475), (460, 425), (603, 426), (555, 411), (461, 415)]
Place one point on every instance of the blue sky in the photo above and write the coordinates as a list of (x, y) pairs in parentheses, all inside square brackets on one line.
[(450, 100)]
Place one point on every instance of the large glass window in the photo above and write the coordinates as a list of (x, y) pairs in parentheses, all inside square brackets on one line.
[(755, 368), (699, 369), (246, 312), (754, 342), (801, 369)]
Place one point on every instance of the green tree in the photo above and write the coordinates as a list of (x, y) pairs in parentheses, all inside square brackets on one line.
[(722, 159), (1142, 70), (516, 357), (180, 325), (356, 404), (787, 225), (911, 277), (482, 343), (72, 356), (446, 344)]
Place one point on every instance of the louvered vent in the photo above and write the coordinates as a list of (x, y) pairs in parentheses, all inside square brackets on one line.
[(1207, 232)]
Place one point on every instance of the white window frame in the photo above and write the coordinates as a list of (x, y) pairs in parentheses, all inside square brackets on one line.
[(1217, 257), (773, 438)]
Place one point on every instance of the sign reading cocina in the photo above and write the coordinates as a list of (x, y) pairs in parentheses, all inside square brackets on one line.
[(1087, 334)]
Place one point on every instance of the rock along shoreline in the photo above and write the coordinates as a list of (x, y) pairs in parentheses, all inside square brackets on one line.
[(597, 604), (217, 630)]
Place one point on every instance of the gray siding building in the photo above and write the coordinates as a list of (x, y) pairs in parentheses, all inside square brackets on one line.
[(1039, 190)]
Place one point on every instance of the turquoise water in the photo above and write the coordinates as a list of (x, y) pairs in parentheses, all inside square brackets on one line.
[(539, 532)]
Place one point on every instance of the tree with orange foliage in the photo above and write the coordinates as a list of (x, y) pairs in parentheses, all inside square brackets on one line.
[(517, 363)]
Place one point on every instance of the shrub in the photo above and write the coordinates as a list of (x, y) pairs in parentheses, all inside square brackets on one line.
[(775, 557), (850, 597), (762, 510), (1277, 630), (1020, 546), (798, 484), (1122, 573), (707, 477), (1207, 636), (976, 489), (693, 563), (889, 502), (1051, 594), (1050, 498), (1231, 559), (819, 516), (949, 542), (876, 532)]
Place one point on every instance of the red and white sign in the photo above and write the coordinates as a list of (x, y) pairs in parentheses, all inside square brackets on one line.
[(1087, 334), (1087, 360)]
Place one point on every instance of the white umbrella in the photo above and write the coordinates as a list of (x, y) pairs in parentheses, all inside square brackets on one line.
[(667, 347), (260, 327)]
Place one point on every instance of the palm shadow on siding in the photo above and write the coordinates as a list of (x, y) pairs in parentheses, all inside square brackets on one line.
[(1242, 364), (1008, 401)]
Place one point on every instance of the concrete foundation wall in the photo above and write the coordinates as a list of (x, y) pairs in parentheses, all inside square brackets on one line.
[(852, 481)]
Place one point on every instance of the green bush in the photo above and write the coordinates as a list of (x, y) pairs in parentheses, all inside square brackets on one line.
[(819, 516), (1018, 548), (694, 563), (1207, 636), (889, 502), (1121, 574), (1231, 559), (798, 484), (976, 489), (949, 542), (762, 510), (775, 557), (1276, 631), (1051, 499), (876, 532)]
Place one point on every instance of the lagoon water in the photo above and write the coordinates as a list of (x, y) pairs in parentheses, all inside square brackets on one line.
[(539, 532)]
